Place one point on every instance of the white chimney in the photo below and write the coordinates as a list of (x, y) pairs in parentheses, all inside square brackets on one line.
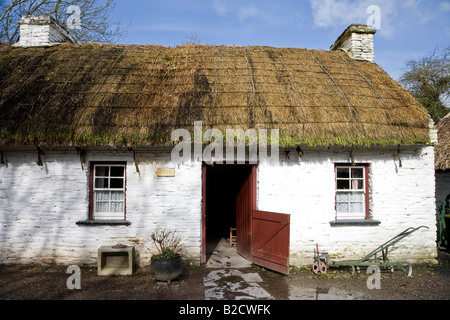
[(41, 30), (357, 42)]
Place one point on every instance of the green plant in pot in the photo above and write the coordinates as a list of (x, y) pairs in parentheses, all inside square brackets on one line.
[(166, 265)]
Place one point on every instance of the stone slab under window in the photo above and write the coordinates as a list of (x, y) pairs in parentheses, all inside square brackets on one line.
[(103, 222), (355, 222), (116, 260)]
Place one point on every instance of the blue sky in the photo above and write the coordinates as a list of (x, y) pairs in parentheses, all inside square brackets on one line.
[(408, 29)]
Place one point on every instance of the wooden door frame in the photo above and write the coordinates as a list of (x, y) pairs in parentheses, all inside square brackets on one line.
[(253, 203), (203, 254)]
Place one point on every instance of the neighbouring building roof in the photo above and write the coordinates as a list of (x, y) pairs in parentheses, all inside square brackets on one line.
[(442, 148), (106, 94)]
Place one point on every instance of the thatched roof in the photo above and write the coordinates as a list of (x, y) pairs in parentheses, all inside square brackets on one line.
[(101, 94), (442, 148)]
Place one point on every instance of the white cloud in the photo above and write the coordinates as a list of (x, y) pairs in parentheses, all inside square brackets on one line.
[(445, 6), (265, 12), (248, 13), (220, 6), (396, 16), (329, 12), (393, 14)]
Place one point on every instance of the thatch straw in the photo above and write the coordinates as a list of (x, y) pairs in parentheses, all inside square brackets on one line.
[(442, 148), (98, 94)]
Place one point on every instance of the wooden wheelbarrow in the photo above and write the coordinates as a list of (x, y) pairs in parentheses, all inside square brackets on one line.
[(378, 257)]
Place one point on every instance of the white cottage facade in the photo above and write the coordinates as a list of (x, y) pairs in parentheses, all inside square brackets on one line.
[(45, 211), (66, 191)]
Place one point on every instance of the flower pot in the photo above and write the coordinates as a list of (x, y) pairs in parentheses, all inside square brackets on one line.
[(166, 269)]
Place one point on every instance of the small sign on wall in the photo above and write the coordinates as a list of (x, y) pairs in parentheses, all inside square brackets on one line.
[(166, 172)]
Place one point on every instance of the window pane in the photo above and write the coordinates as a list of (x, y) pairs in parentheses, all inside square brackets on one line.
[(117, 196), (342, 197), (116, 206), (357, 172), (342, 207), (342, 172), (117, 171), (101, 171), (356, 197), (361, 184), (343, 184), (102, 207), (102, 195), (356, 207), (101, 182), (116, 183), (357, 184)]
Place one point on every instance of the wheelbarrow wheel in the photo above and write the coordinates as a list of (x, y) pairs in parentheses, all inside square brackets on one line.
[(406, 266), (322, 269)]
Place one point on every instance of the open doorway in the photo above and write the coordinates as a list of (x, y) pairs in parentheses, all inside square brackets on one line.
[(229, 200), (223, 206)]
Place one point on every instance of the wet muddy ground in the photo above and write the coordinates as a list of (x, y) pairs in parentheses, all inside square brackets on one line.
[(225, 276), (19, 282)]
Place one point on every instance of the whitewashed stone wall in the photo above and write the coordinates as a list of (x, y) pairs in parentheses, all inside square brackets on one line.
[(41, 205), (357, 42), (400, 197), (360, 47), (41, 30)]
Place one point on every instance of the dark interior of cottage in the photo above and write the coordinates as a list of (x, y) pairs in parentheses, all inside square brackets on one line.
[(222, 185)]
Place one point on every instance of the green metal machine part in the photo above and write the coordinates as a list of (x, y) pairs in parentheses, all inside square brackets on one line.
[(378, 257)]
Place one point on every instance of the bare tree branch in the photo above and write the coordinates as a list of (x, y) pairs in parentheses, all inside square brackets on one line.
[(428, 80), (95, 15)]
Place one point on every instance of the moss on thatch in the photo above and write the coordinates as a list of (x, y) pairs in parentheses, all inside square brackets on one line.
[(442, 148), (100, 94)]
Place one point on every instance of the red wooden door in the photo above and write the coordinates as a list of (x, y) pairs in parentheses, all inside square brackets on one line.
[(270, 240), (245, 203)]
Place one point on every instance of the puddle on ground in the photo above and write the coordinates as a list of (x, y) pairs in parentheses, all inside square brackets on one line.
[(226, 282), (305, 293), (234, 285)]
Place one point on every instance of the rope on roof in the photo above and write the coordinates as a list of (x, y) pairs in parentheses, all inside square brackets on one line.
[(150, 72), (335, 83), (109, 72), (253, 86), (104, 80), (216, 81), (367, 80), (295, 88), (80, 64), (25, 82), (251, 73)]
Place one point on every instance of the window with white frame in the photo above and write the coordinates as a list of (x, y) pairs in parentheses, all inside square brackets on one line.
[(107, 191), (352, 192)]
